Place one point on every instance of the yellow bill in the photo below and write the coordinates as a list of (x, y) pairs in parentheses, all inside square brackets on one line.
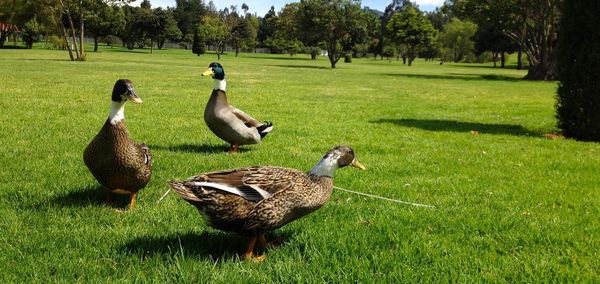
[(209, 72), (358, 165)]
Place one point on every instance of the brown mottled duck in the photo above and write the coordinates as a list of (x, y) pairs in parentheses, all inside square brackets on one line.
[(227, 122), (117, 162), (255, 200)]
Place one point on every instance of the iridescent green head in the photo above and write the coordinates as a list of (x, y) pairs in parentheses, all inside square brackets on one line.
[(215, 70)]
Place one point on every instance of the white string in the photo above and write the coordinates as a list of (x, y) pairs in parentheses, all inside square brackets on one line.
[(385, 198), (163, 196), (351, 191)]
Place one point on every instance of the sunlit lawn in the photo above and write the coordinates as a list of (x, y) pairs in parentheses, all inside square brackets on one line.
[(510, 204)]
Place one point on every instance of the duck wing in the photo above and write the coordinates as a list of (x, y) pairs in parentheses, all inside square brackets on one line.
[(284, 206), (147, 155), (253, 183), (245, 118)]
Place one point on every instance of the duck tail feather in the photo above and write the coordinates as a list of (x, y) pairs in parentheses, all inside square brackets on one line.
[(264, 129), (185, 192), (147, 154)]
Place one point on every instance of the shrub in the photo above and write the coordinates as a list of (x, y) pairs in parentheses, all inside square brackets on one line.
[(111, 39), (56, 43), (348, 58), (578, 96), (199, 44)]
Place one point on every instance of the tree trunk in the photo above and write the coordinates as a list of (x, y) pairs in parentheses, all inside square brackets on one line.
[(541, 72), (313, 55), (331, 60), (520, 59), (151, 46), (331, 52), (2, 38), (81, 34), (95, 43), (502, 59), (66, 39), (237, 50), (74, 37)]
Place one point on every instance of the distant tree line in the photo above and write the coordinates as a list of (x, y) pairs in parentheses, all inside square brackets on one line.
[(460, 30)]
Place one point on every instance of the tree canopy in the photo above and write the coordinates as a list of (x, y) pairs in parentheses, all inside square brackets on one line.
[(412, 29)]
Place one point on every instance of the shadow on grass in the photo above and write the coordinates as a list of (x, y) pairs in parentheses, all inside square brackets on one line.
[(46, 59), (459, 126), (144, 51), (292, 58), (212, 245), (92, 196), (197, 148), (83, 197), (458, 76), (301, 66), (491, 67)]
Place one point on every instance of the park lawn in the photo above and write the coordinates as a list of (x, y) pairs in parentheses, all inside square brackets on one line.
[(510, 204)]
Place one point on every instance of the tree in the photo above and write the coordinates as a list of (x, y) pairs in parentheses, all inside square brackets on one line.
[(199, 44), (167, 27), (142, 24), (490, 38), (104, 20), (396, 6), (13, 13), (215, 31), (188, 14), (456, 37), (578, 99), (412, 29), (33, 18), (267, 26), (239, 34), (530, 24), (340, 24), (374, 31), (537, 36), (253, 23), (31, 32)]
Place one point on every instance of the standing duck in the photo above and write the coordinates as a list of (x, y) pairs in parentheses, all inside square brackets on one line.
[(227, 122), (116, 161), (253, 201)]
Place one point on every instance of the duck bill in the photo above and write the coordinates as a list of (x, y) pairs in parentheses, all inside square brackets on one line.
[(358, 165), (134, 98), (209, 72)]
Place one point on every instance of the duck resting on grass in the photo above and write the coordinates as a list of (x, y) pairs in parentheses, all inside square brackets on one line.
[(227, 122), (118, 163), (256, 200)]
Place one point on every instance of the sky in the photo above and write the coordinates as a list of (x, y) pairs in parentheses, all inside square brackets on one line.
[(260, 7)]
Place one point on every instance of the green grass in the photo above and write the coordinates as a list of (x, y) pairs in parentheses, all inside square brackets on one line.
[(511, 205)]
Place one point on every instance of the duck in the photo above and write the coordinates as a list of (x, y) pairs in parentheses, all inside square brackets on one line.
[(118, 163), (230, 124), (253, 201)]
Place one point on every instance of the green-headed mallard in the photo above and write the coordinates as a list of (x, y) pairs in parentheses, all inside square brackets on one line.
[(253, 201), (117, 162), (227, 122)]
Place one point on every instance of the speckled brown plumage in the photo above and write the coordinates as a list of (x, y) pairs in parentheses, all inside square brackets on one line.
[(294, 194), (116, 161), (255, 200)]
